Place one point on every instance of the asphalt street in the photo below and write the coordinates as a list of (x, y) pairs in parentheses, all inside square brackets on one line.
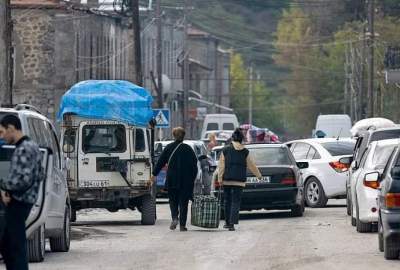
[(322, 239)]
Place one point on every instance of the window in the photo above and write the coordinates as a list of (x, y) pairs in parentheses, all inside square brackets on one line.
[(270, 156), (313, 154), (228, 126), (56, 150), (381, 156), (69, 140), (300, 151), (103, 139), (385, 134), (339, 148), (140, 145), (212, 126)]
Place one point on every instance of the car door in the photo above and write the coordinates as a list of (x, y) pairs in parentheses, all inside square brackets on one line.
[(39, 210)]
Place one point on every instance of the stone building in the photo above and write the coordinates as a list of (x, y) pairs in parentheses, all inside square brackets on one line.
[(56, 44)]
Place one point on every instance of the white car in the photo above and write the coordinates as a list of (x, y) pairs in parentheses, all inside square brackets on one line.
[(50, 215), (363, 186), (326, 176)]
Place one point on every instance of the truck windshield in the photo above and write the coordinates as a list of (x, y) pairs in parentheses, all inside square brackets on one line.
[(103, 139)]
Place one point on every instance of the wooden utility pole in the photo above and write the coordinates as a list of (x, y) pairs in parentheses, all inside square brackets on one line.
[(251, 95), (371, 73), (136, 43), (361, 105), (159, 55), (186, 71), (5, 52)]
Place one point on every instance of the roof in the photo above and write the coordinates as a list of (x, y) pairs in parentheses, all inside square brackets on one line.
[(192, 31), (37, 3), (323, 140)]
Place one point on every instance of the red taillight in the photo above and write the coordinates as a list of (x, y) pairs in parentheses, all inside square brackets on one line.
[(392, 200), (288, 180), (339, 167)]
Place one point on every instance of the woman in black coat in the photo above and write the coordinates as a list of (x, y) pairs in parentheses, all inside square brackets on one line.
[(181, 174)]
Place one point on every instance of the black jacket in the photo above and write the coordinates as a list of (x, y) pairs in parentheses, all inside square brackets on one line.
[(182, 169), (235, 164)]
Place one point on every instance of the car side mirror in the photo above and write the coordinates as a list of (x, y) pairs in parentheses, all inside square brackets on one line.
[(302, 165), (372, 180), (346, 160)]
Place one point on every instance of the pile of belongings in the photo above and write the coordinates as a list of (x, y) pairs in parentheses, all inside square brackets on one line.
[(255, 134), (371, 123)]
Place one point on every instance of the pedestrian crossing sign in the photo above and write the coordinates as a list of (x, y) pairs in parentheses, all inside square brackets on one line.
[(162, 117)]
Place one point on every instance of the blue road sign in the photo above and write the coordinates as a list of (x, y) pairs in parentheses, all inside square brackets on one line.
[(162, 117)]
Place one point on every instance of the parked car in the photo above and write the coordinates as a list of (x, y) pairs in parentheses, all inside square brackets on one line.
[(364, 138), (50, 215), (215, 122), (389, 206), (205, 168), (364, 190), (281, 186), (325, 177), (333, 125)]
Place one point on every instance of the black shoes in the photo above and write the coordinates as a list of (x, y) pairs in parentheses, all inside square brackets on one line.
[(173, 225), (230, 227), (183, 229)]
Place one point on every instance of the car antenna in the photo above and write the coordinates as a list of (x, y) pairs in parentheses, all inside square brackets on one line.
[(340, 133)]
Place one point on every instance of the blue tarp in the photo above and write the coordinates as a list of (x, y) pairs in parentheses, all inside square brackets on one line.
[(108, 100)]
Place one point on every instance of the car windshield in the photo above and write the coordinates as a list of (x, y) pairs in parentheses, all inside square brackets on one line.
[(265, 156), (104, 139), (339, 148), (381, 155)]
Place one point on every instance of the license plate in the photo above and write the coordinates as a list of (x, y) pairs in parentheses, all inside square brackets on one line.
[(94, 183), (255, 180)]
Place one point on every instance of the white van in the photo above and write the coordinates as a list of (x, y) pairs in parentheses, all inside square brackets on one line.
[(50, 215), (333, 125), (219, 122)]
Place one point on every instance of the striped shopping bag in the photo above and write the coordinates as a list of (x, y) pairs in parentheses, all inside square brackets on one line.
[(206, 211)]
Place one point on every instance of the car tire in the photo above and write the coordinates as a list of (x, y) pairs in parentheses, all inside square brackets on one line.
[(148, 210), (62, 242), (297, 210), (391, 249), (353, 219), (37, 245), (362, 227), (380, 237), (348, 203), (314, 193), (73, 215)]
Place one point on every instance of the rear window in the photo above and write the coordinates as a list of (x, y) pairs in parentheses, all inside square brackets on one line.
[(382, 155), (270, 156), (228, 126), (385, 134), (212, 126), (103, 139), (339, 148)]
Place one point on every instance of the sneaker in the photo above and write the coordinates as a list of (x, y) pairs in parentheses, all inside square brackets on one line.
[(173, 225), (183, 229)]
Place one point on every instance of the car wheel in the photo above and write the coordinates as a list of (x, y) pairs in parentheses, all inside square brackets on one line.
[(391, 249), (380, 236), (362, 227), (314, 194), (62, 242), (353, 219), (148, 210), (297, 210), (348, 203), (37, 245), (73, 215)]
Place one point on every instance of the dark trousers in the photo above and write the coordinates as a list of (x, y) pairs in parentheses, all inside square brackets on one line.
[(232, 198), (14, 246), (178, 205)]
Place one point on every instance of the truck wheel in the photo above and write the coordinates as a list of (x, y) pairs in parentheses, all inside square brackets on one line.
[(62, 242), (148, 210), (36, 246)]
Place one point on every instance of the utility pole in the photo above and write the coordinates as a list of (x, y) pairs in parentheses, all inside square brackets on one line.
[(346, 81), (361, 105), (5, 52), (370, 43), (186, 71), (136, 42), (159, 55), (251, 95)]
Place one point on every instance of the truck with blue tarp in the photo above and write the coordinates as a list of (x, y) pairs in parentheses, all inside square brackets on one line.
[(107, 138)]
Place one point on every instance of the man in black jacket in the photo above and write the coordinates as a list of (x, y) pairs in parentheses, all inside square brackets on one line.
[(181, 174)]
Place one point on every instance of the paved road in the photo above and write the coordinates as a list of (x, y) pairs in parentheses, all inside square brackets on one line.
[(322, 239)]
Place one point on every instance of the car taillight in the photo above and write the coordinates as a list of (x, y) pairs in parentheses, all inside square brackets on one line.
[(339, 167), (288, 180), (392, 200)]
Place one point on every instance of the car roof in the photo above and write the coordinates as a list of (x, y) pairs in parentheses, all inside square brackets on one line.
[(370, 131), (324, 140), (265, 145)]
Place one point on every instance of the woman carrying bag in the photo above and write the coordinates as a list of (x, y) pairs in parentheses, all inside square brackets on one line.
[(232, 167)]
